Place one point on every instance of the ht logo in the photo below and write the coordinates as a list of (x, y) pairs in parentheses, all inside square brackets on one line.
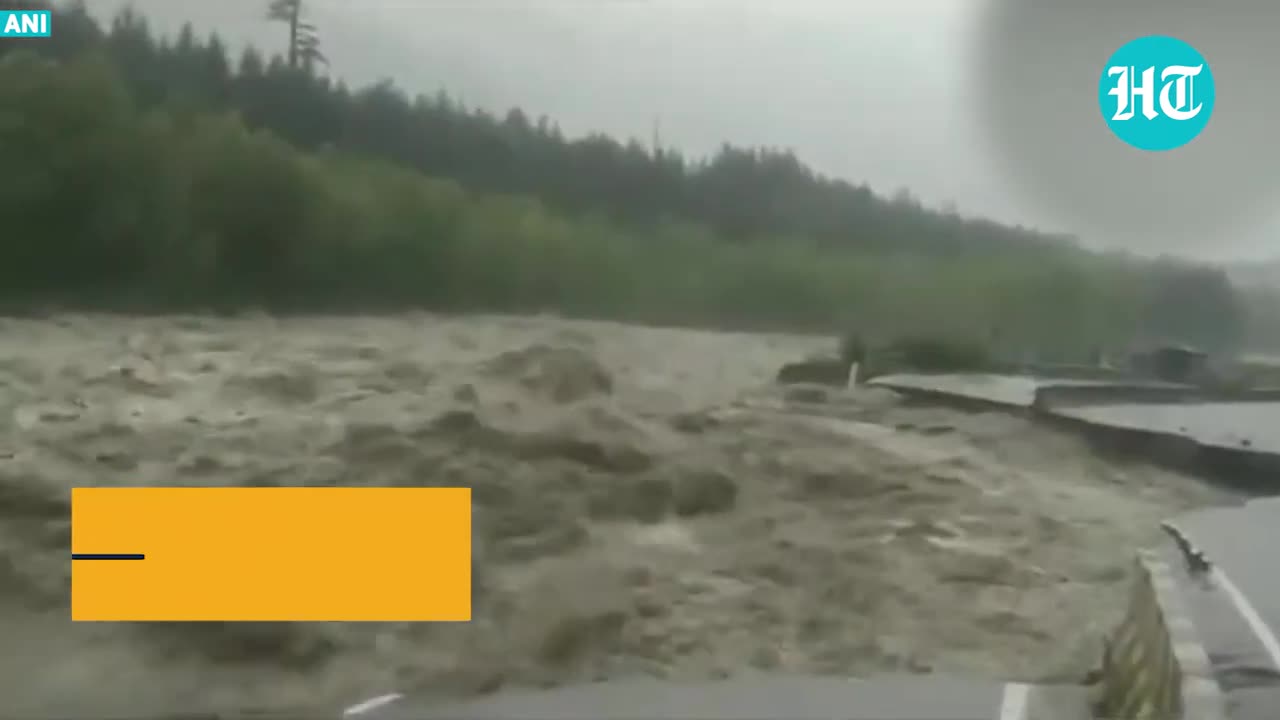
[(1156, 93), (1176, 78)]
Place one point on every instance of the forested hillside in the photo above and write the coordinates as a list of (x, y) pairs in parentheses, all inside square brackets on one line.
[(742, 193), (152, 172)]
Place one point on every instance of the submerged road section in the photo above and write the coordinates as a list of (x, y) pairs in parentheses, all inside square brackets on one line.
[(1229, 425), (1018, 391), (1198, 643), (766, 697), (1233, 438)]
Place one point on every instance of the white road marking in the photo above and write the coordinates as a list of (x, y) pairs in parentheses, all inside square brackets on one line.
[(1257, 625), (361, 708), (1260, 629), (1013, 706)]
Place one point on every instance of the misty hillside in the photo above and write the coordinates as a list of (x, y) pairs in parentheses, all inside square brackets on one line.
[(1260, 274), (167, 173), (756, 74), (742, 193)]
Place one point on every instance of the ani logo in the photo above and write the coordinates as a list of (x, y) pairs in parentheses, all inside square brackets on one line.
[(24, 23)]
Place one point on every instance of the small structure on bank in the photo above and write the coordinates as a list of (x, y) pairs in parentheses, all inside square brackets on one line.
[(1173, 363), (826, 370)]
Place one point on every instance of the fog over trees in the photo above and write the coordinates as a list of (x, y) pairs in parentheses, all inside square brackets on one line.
[(161, 173)]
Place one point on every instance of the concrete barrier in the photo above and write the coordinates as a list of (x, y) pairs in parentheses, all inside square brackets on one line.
[(1141, 677)]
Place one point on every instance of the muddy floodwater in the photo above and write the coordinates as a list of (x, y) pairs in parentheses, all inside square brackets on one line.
[(646, 503)]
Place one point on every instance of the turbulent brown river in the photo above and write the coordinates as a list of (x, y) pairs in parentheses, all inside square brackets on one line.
[(646, 503)]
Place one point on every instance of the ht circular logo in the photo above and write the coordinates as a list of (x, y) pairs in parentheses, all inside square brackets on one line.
[(1156, 93)]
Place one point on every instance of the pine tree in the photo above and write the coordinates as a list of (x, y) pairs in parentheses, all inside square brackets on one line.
[(304, 40)]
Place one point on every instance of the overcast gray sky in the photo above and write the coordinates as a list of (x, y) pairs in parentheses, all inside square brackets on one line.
[(875, 91)]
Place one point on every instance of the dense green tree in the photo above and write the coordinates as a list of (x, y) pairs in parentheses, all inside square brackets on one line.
[(1194, 304)]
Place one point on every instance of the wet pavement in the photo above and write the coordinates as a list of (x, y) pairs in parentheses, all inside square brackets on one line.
[(1234, 602)]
